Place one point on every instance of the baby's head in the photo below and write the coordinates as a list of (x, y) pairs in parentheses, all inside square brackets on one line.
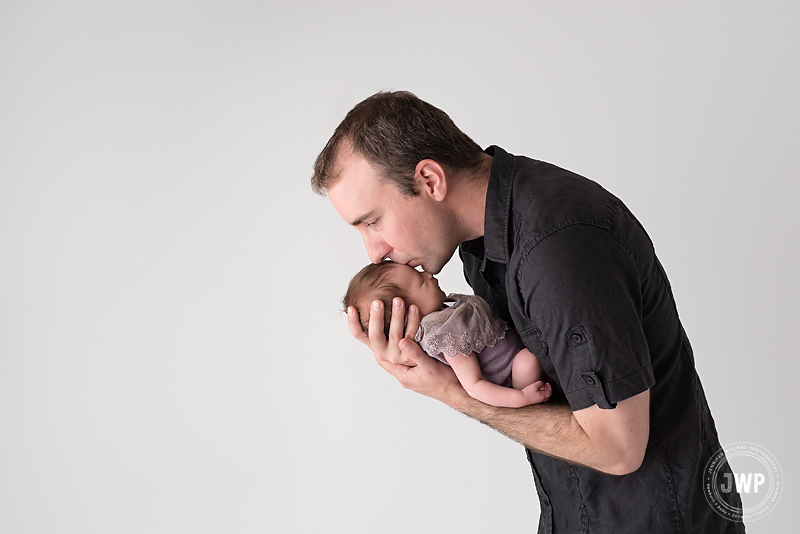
[(386, 280)]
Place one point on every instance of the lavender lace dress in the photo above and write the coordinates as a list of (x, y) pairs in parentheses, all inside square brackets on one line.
[(468, 326)]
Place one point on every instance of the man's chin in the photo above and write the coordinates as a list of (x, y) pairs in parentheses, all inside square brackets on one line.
[(436, 266), (432, 270), (431, 267)]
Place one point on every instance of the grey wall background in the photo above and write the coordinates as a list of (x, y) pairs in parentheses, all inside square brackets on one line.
[(172, 358)]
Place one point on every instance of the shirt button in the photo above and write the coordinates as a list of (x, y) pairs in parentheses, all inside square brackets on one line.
[(576, 338), (590, 380)]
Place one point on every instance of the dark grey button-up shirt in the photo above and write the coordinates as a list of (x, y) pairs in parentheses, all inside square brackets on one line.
[(564, 261)]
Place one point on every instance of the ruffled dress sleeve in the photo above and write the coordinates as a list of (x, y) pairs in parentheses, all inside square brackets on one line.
[(466, 326)]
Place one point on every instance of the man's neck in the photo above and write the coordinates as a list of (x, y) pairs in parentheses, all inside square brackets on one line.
[(470, 205)]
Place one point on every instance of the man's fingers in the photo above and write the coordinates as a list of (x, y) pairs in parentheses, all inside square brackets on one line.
[(376, 335), (413, 322), (398, 319), (411, 352), (397, 370), (408, 360), (405, 360), (355, 326)]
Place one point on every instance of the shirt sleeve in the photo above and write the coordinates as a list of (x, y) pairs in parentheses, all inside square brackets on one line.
[(582, 288)]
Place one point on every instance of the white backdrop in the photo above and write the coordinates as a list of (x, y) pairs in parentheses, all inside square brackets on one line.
[(172, 357)]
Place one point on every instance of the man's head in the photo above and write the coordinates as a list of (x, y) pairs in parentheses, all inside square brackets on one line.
[(386, 280), (394, 131), (387, 169)]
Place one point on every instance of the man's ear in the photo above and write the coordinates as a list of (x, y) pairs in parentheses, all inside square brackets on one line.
[(432, 177)]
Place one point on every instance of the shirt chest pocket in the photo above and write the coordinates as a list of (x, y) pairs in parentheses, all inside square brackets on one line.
[(530, 334)]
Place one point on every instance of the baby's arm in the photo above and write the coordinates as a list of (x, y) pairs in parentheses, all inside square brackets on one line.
[(469, 374)]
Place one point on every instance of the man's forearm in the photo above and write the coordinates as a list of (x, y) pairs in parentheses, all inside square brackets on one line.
[(547, 428), (611, 441)]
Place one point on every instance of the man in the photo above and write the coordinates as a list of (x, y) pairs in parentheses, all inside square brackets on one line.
[(624, 441)]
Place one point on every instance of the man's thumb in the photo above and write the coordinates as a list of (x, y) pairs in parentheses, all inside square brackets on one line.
[(411, 350)]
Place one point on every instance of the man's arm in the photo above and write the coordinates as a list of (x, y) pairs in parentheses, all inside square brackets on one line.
[(611, 441)]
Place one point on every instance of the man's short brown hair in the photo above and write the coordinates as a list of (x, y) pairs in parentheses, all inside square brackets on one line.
[(394, 131)]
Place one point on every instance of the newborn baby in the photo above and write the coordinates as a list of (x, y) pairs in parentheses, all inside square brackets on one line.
[(487, 356)]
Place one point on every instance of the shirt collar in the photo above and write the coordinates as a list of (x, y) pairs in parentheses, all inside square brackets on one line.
[(498, 204)]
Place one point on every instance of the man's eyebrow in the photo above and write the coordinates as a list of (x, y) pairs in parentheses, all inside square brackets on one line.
[(362, 218)]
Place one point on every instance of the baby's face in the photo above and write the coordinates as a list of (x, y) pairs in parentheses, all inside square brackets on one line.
[(422, 288)]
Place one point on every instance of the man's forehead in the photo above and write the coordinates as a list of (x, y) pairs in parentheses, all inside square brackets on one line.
[(349, 161), (357, 190)]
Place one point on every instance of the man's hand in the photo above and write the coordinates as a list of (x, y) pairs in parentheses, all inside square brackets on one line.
[(387, 350), (414, 369), (426, 375)]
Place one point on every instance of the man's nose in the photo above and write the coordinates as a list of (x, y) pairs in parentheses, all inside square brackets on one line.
[(377, 250)]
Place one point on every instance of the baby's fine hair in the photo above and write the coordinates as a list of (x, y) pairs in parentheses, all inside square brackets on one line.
[(373, 282)]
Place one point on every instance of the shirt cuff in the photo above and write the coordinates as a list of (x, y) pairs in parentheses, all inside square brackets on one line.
[(607, 394)]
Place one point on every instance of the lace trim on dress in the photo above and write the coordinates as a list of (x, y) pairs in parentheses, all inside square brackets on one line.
[(467, 326)]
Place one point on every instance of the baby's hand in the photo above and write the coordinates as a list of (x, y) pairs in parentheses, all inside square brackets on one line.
[(537, 392)]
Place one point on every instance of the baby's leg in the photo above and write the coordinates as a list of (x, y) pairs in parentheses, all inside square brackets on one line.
[(527, 376), (525, 370), (469, 374)]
